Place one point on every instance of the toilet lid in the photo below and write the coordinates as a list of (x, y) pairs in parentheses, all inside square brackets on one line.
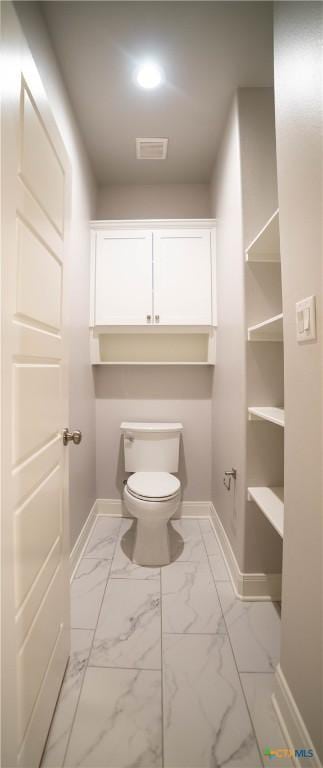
[(153, 485)]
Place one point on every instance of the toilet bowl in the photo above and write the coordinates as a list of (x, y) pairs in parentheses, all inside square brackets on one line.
[(152, 494)]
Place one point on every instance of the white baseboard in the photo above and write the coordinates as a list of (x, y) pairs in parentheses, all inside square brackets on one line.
[(291, 721), (247, 586), (111, 507), (116, 507), (193, 509), (81, 540)]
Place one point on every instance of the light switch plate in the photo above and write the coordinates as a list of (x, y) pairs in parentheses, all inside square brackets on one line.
[(306, 319)]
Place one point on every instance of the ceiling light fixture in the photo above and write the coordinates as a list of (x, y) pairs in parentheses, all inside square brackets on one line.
[(149, 75)]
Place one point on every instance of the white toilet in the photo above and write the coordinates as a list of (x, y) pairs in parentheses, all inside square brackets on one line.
[(152, 494)]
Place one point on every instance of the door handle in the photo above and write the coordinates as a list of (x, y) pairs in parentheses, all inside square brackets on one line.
[(74, 437)]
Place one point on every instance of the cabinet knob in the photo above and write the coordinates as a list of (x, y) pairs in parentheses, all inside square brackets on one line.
[(148, 318), (157, 318)]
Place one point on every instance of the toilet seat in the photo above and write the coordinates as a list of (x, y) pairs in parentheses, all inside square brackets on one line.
[(153, 486)]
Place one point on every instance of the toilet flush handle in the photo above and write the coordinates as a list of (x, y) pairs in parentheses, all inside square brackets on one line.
[(129, 436)]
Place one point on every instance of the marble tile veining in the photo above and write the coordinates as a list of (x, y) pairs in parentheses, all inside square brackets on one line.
[(103, 539), (186, 541), (113, 710), (87, 592), (206, 721), (129, 628), (254, 629), (118, 722), (122, 565), (258, 688), (81, 640), (190, 601)]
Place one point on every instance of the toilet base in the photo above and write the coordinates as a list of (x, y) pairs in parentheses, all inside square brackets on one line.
[(152, 545)]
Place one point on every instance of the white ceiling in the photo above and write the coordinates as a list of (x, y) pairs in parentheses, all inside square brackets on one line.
[(207, 50)]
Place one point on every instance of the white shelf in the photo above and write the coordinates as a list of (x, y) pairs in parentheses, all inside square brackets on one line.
[(150, 329), (268, 413), (271, 503), (150, 349), (266, 245), (140, 362), (268, 330)]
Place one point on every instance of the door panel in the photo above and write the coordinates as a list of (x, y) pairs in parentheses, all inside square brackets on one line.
[(37, 649), (37, 266), (41, 513), (34, 462), (36, 407), (41, 168), (182, 277), (123, 292)]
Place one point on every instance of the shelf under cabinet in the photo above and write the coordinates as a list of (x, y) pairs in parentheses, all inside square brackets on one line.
[(271, 503), (265, 247), (268, 330), (267, 413), (171, 347)]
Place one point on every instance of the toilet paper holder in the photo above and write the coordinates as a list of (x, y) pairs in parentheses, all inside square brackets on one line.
[(228, 475)]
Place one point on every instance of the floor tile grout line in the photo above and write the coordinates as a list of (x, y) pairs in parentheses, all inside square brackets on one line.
[(91, 645), (83, 678), (235, 661), (129, 578), (198, 634), (162, 670), (126, 669)]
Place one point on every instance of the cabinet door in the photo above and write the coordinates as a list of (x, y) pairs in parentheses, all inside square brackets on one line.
[(182, 277), (123, 279)]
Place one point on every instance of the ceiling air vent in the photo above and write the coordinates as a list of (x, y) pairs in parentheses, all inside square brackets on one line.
[(151, 149)]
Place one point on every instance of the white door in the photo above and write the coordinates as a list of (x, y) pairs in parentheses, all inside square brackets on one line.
[(35, 583), (123, 280), (182, 277)]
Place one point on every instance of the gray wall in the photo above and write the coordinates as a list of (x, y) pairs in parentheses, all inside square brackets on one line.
[(298, 96), (229, 397), (155, 201), (81, 387), (154, 393)]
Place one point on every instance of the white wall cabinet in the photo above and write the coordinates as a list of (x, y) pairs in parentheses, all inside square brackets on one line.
[(182, 277), (123, 278), (155, 278)]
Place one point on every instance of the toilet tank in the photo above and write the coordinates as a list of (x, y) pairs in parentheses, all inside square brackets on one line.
[(151, 446)]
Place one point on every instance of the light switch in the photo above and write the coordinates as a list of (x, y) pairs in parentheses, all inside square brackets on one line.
[(306, 319), (306, 314), (300, 321)]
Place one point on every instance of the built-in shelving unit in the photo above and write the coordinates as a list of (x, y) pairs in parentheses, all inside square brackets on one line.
[(267, 413), (267, 330), (266, 247), (271, 503), (265, 383)]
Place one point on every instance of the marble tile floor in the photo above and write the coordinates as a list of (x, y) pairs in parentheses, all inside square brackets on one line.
[(167, 668)]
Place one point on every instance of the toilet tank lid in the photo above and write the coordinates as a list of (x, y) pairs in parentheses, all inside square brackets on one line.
[(151, 426)]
